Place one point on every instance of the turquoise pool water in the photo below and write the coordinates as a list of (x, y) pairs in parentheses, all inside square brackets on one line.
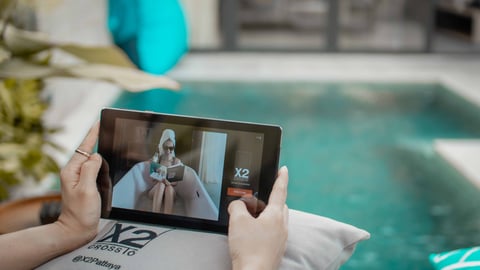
[(359, 153)]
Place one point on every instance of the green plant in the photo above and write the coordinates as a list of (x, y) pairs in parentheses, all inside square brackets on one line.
[(23, 136), (25, 61)]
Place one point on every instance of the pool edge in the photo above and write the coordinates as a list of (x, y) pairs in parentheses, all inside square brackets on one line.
[(463, 155)]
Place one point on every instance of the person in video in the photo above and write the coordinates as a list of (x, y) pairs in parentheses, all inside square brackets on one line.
[(163, 184), (163, 193)]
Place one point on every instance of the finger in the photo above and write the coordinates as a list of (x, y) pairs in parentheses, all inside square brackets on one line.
[(251, 203), (103, 177), (104, 185), (87, 144), (237, 208), (254, 205), (260, 207), (278, 196), (89, 172)]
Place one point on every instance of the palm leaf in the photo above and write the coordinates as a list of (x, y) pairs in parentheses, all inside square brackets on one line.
[(109, 55), (21, 42)]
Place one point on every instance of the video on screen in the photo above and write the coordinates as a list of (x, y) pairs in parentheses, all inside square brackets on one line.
[(182, 170)]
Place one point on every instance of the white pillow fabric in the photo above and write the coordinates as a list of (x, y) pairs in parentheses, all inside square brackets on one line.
[(314, 242), (317, 242)]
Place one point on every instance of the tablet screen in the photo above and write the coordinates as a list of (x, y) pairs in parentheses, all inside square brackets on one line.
[(184, 171)]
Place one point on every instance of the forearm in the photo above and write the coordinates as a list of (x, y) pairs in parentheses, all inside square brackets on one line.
[(31, 247)]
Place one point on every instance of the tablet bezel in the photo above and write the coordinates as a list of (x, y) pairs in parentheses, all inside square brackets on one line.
[(269, 163)]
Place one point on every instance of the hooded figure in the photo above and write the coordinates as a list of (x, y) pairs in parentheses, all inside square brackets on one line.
[(167, 135)]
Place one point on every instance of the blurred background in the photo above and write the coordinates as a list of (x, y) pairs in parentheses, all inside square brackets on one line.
[(335, 26), (378, 99)]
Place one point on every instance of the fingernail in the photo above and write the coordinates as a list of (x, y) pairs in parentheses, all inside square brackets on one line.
[(284, 167)]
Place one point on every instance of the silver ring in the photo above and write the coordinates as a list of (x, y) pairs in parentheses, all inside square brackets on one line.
[(83, 153)]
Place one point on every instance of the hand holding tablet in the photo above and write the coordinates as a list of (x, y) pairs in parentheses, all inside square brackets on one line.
[(221, 161), (260, 242)]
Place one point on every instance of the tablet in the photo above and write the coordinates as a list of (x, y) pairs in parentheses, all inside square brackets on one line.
[(183, 171)]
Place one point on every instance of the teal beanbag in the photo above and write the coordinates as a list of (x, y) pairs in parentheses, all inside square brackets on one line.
[(153, 33), (467, 258)]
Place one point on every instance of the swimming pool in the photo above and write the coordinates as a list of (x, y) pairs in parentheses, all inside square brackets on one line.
[(359, 153)]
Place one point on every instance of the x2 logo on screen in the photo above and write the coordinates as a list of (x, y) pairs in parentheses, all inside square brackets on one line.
[(242, 174), (126, 239), (243, 161)]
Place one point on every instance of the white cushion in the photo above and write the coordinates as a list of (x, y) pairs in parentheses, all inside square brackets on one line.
[(314, 242)]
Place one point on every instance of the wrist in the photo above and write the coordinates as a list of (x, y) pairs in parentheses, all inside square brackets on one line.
[(71, 238)]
